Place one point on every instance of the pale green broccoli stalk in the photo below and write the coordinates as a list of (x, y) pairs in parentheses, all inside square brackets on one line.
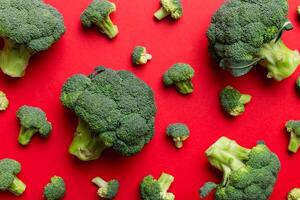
[(298, 84), (293, 127), (3, 101), (233, 102), (294, 194), (97, 13), (179, 133), (169, 7), (27, 27), (140, 56), (157, 189), (247, 173), (56, 189), (9, 181), (33, 120), (107, 190)]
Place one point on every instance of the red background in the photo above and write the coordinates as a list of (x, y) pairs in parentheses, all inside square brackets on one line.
[(169, 42)]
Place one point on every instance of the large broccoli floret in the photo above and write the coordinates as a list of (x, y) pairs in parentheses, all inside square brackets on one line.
[(9, 168), (169, 7), (152, 189), (179, 133), (140, 56), (27, 27), (33, 120), (56, 189), (107, 190), (293, 127), (97, 13), (3, 101), (249, 174), (115, 109), (244, 33), (294, 194)]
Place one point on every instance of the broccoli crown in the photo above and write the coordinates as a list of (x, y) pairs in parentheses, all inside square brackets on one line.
[(107, 190), (3, 101), (56, 189), (294, 194), (293, 127), (140, 56), (179, 132), (170, 7), (115, 108)]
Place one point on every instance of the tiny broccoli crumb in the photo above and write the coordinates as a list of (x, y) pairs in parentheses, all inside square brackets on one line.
[(4, 102), (107, 190), (140, 56), (179, 133)]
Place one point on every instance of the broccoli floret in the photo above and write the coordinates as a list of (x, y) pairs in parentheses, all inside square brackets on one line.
[(294, 194), (233, 102), (140, 56), (243, 34), (115, 110), (180, 75), (56, 189), (152, 189), (169, 7), (97, 13), (27, 27), (293, 127), (248, 173), (33, 120), (179, 132), (3, 101), (107, 190), (9, 168)]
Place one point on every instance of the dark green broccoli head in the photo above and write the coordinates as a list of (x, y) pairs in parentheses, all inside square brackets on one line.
[(233, 102), (97, 13), (33, 120), (56, 189), (248, 173), (244, 33), (3, 101), (179, 132), (169, 7), (107, 190), (293, 128), (294, 194), (115, 108), (140, 56), (9, 169), (180, 75), (27, 27)]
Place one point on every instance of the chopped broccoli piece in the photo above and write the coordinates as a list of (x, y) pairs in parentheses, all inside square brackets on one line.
[(27, 27), (169, 7), (107, 190), (97, 13), (152, 189), (233, 102), (180, 75), (140, 56), (293, 127), (294, 194), (248, 173), (56, 189), (33, 120), (3, 101), (9, 168), (179, 132)]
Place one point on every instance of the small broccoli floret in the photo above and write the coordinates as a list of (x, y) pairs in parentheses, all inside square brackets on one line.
[(179, 132), (3, 101), (152, 189), (180, 75), (56, 189), (293, 127), (97, 13), (9, 168), (140, 56), (33, 120), (107, 190), (169, 7), (294, 194), (233, 102)]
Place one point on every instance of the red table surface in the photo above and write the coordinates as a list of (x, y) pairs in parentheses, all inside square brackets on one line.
[(169, 42)]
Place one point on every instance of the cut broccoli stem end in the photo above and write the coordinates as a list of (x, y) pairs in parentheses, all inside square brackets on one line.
[(294, 143), (161, 14), (99, 182), (165, 181), (108, 28), (245, 98), (185, 87), (144, 59), (17, 187), (25, 135), (179, 141)]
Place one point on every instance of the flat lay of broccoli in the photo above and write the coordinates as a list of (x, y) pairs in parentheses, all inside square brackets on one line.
[(9, 181), (56, 189), (152, 189), (171, 8), (97, 13), (32, 120), (294, 194), (293, 128), (244, 33), (107, 190), (233, 102), (115, 110), (247, 173), (27, 27), (3, 101), (140, 56), (180, 75), (179, 133)]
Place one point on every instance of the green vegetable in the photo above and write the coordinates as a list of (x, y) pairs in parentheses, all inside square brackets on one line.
[(298, 84), (33, 120), (248, 173), (169, 7), (152, 189), (3, 101), (293, 127), (9, 168), (56, 189), (107, 190), (245, 33), (27, 27), (294, 194), (298, 10), (97, 13), (180, 75), (115, 110), (233, 102), (140, 56), (179, 132)]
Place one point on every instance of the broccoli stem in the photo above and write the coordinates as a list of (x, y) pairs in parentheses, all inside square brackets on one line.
[(185, 87), (165, 181), (280, 61), (108, 28), (99, 182), (17, 187), (245, 98), (161, 13), (179, 141), (14, 58), (26, 135), (145, 58), (294, 142)]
